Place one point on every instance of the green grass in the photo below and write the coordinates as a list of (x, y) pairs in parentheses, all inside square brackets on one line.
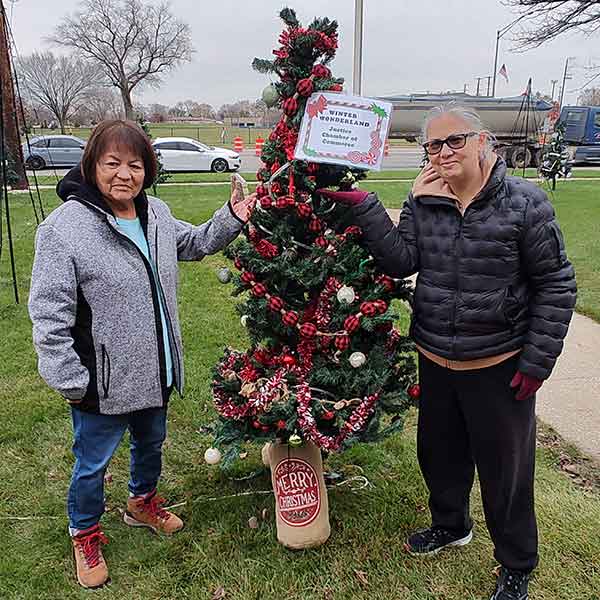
[(217, 548)]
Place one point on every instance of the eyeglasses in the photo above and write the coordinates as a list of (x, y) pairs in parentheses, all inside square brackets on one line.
[(455, 141)]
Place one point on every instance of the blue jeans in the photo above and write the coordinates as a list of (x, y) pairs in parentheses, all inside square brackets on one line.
[(96, 439)]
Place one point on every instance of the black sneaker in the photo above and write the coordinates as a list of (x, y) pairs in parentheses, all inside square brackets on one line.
[(511, 585), (432, 540)]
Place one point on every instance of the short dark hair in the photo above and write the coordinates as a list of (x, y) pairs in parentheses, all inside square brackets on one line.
[(121, 134)]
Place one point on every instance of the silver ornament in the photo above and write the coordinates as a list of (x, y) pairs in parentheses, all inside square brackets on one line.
[(270, 95), (224, 275), (357, 359), (346, 295)]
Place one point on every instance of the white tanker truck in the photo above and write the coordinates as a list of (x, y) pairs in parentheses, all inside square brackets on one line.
[(517, 125)]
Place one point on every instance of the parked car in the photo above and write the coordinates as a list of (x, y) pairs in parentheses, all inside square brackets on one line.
[(186, 154), (48, 151)]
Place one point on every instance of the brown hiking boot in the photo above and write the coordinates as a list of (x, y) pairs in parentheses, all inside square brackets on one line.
[(90, 566), (147, 511)]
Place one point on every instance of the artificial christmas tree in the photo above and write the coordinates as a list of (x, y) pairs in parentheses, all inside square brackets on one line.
[(325, 367)]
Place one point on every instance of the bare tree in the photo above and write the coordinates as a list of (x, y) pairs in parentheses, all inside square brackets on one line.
[(547, 19), (132, 42), (589, 97), (101, 103), (59, 83)]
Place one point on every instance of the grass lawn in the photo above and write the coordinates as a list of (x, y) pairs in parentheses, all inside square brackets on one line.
[(217, 548)]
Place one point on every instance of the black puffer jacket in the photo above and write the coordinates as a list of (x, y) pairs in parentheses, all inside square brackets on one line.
[(494, 280)]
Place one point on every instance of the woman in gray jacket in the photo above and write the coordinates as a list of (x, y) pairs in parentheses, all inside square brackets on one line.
[(104, 309)]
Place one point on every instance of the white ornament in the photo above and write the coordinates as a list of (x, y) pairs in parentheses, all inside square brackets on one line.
[(357, 359), (244, 320), (346, 295), (212, 456)]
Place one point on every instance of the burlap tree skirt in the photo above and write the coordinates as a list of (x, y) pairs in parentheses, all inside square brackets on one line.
[(301, 502)]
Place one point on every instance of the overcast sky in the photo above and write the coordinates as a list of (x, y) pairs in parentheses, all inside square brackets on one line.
[(409, 46)]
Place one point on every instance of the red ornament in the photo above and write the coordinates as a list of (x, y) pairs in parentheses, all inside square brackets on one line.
[(380, 305), (281, 202), (321, 71), (266, 202), (291, 201), (386, 282), (369, 309), (276, 303), (305, 87), (321, 242), (266, 249), (308, 330), (414, 391), (352, 323), (328, 415), (290, 106), (281, 424), (290, 318), (259, 290), (336, 87), (261, 190), (237, 263), (288, 360), (276, 187), (262, 356), (304, 210), (247, 277), (342, 342), (313, 168), (315, 225), (256, 424)]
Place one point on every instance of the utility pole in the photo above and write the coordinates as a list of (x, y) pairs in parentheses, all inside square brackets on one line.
[(358, 44), (564, 81), (478, 82), (553, 82), (10, 144), (489, 77)]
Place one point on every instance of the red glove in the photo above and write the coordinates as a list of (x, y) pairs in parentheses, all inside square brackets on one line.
[(352, 198), (527, 385)]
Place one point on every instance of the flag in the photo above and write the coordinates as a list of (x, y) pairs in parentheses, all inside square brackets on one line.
[(503, 72)]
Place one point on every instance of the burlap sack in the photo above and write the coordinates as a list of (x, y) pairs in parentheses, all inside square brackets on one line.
[(301, 505)]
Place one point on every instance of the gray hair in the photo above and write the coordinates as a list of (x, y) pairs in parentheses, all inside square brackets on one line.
[(464, 114)]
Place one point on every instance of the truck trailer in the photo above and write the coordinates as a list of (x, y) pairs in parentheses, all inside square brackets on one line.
[(516, 124)]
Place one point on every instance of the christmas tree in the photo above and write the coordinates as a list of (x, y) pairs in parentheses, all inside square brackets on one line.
[(325, 363)]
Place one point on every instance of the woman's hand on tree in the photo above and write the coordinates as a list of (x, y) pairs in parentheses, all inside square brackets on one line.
[(242, 206)]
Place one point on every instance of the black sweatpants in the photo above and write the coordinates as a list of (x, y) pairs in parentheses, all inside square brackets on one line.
[(471, 419)]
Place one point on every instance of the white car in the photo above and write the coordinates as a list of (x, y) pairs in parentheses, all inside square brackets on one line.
[(186, 154)]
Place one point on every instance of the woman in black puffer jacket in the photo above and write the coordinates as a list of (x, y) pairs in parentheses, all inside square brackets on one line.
[(494, 296)]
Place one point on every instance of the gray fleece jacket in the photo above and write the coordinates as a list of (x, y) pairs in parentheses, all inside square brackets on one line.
[(94, 299)]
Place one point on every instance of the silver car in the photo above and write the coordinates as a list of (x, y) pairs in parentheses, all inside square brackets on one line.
[(186, 154), (48, 151)]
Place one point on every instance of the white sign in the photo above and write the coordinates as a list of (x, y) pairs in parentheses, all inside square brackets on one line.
[(344, 130)]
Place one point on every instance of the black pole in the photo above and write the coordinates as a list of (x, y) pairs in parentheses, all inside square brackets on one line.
[(496, 63), (4, 157)]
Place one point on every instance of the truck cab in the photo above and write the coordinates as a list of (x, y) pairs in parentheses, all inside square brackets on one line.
[(582, 132)]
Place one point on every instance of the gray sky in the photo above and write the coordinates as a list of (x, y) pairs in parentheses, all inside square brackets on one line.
[(409, 46)]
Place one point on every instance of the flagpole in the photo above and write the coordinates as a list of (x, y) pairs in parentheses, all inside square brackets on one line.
[(358, 44), (495, 63)]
